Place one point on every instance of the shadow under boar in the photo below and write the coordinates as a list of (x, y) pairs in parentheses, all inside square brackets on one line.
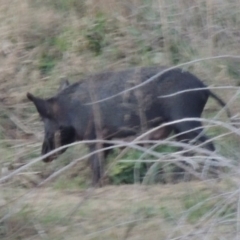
[(71, 115)]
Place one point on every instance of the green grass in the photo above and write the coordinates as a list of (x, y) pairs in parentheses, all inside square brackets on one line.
[(45, 40), (19, 226), (168, 214), (197, 204), (64, 6), (118, 210), (71, 183), (54, 217), (96, 34)]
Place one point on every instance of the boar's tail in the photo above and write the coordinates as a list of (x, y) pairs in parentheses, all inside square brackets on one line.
[(221, 103)]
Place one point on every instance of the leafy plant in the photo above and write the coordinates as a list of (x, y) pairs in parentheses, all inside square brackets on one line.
[(125, 172)]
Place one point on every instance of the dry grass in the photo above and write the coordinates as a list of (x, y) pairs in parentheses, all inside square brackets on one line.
[(187, 210), (44, 40), (124, 212)]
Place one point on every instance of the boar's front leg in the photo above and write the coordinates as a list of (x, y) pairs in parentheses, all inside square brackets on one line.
[(97, 164)]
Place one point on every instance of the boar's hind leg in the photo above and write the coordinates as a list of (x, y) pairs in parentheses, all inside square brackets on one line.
[(192, 130)]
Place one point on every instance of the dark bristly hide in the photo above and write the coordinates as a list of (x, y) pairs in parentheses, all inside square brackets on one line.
[(69, 116)]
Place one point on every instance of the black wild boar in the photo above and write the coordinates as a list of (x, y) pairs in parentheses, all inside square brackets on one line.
[(71, 115)]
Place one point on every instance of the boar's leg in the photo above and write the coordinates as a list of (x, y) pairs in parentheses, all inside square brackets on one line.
[(107, 151), (192, 130), (97, 164)]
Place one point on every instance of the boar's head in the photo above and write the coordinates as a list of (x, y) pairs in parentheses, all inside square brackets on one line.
[(57, 132)]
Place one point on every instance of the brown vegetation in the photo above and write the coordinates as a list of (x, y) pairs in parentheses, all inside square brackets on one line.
[(42, 41)]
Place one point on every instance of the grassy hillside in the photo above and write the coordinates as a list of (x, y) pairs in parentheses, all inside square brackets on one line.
[(183, 211), (42, 41)]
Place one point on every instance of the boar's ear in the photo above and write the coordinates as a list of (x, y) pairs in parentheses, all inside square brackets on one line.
[(42, 105), (63, 84)]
